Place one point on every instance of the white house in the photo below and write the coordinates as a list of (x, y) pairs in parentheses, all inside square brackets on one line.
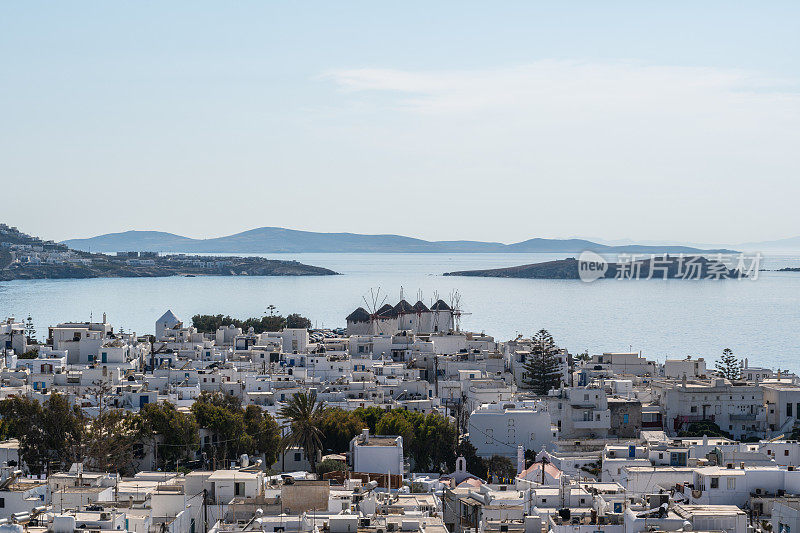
[(785, 516), (735, 407), (497, 429), (580, 412), (691, 368), (377, 454)]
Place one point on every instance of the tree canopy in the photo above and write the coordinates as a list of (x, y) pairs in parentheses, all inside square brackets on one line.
[(542, 369), (211, 323), (729, 366)]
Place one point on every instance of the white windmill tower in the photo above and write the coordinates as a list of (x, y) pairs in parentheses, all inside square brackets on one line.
[(376, 307)]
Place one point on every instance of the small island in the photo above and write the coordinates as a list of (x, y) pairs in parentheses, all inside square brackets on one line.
[(23, 256), (663, 267)]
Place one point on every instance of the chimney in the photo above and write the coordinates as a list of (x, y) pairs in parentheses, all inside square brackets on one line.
[(365, 435)]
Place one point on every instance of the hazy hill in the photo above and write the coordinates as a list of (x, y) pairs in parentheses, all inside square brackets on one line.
[(790, 244), (278, 240), (667, 267)]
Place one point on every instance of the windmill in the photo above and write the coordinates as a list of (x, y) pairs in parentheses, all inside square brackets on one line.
[(434, 300), (374, 307), (420, 308), (457, 312)]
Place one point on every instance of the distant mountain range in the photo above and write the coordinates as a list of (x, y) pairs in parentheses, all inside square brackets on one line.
[(282, 240)]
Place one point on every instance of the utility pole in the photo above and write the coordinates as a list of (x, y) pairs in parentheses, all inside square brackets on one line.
[(205, 510)]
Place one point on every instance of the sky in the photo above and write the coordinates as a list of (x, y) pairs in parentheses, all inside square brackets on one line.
[(494, 121)]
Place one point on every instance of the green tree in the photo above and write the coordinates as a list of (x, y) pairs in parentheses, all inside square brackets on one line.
[(211, 323), (110, 440), (729, 366), (174, 432), (396, 422), (704, 427), (264, 434), (301, 416), (339, 427), (429, 428), (330, 465), (50, 434), (370, 416), (296, 321), (501, 467), (222, 414), (33, 353), (542, 369), (30, 330)]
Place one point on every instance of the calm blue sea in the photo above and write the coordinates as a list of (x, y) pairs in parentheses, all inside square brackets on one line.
[(758, 319)]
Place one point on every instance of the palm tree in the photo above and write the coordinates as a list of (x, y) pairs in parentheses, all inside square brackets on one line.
[(271, 309), (302, 416)]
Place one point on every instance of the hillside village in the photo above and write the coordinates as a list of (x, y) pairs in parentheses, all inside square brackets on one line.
[(25, 256), (400, 422)]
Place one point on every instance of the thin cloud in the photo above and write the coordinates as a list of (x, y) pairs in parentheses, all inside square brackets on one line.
[(619, 87)]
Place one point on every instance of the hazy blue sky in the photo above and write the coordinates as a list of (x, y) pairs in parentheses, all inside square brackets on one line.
[(491, 120)]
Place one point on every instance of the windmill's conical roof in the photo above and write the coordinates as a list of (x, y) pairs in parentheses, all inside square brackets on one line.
[(168, 317), (386, 311), (440, 306), (359, 315), (403, 307)]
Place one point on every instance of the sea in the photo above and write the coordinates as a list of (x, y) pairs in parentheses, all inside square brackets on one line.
[(759, 319)]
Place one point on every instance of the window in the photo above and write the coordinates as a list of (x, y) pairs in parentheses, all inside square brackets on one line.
[(786, 452), (489, 436), (624, 419), (788, 409), (714, 482), (297, 457), (238, 488), (693, 409), (2, 503), (731, 483)]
